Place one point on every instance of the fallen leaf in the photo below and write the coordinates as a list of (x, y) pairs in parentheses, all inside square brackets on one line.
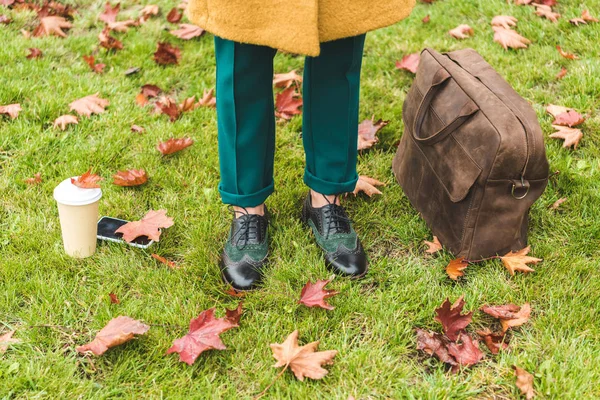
[(89, 105), (518, 260), (174, 145), (304, 361), (232, 292), (110, 13), (549, 3), (453, 322), (5, 20), (37, 178), (510, 315), (435, 344), (286, 80), (203, 335), (433, 247), (91, 61), (571, 136), (409, 62), (557, 203), (87, 180), (148, 12), (562, 73), (367, 185), (12, 110), (577, 21), (556, 110), (132, 70), (166, 105), (118, 331), (188, 104), (187, 32), (174, 16), (64, 120), (314, 294), (426, 19), (34, 53), (7, 340), (570, 118), (52, 25), (524, 382), (109, 42), (585, 15), (121, 26), (166, 54), (149, 226), (544, 11), (566, 55), (467, 352), (367, 132), (114, 299), (509, 38), (208, 99), (137, 129), (235, 314), (131, 177), (461, 32), (456, 267), (168, 263), (151, 91), (504, 21), (494, 341), (288, 103)]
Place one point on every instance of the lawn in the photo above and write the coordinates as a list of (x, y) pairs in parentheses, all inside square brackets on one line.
[(56, 303)]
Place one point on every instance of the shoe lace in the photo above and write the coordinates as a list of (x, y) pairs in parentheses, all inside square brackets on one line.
[(336, 217), (248, 230)]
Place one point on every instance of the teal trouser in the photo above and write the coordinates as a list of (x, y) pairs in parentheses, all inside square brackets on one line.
[(246, 121)]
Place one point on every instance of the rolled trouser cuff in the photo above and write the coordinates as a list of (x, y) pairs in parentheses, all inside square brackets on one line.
[(247, 200), (329, 188)]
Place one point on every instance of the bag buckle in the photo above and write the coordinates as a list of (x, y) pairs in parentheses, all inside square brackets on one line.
[(524, 185)]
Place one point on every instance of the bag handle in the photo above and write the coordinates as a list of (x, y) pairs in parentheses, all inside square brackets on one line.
[(441, 76)]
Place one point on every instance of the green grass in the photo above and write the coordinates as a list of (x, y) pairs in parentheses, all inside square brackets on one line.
[(56, 303)]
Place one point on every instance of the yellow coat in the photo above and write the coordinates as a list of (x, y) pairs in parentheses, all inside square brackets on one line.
[(295, 26)]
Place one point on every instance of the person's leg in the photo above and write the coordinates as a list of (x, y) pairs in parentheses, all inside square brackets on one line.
[(330, 116), (246, 122), (246, 134), (330, 136)]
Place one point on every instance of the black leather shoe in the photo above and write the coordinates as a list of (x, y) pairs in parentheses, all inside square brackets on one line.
[(246, 250), (333, 231)]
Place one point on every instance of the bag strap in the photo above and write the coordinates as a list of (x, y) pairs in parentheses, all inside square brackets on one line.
[(439, 78)]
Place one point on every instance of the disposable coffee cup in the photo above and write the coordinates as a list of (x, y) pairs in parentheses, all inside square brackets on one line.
[(78, 213)]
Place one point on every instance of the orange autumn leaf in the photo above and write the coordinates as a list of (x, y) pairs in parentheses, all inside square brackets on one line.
[(91, 61), (208, 99), (567, 55), (64, 120), (37, 178), (409, 62), (52, 25), (118, 331), (518, 260), (562, 73), (494, 341), (461, 32), (510, 315), (109, 42), (7, 340), (149, 226), (433, 247), (286, 80), (504, 21), (545, 11), (174, 16), (168, 106), (558, 203), (131, 177), (524, 382), (34, 53), (168, 263), (367, 185), (571, 136), (456, 267), (509, 38), (188, 104), (89, 105), (114, 299), (304, 361), (87, 180), (174, 145), (12, 110)]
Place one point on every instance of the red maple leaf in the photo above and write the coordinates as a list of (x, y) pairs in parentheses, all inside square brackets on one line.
[(166, 54), (87, 180), (174, 145), (118, 331), (288, 103), (466, 353), (110, 13), (204, 334), (409, 62), (367, 132), (494, 341), (314, 294), (569, 118), (451, 319)]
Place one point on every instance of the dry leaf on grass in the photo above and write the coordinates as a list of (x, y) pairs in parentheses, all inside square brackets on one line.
[(570, 118), (37, 178), (208, 99), (64, 120), (567, 55), (453, 322), (288, 103), (558, 203), (87, 180), (187, 32), (89, 105), (504, 21), (174, 145), (555, 110), (110, 13), (34, 53), (174, 16), (518, 260), (435, 344), (7, 340), (131, 177), (12, 110), (121, 26), (91, 61), (118, 331), (168, 263), (426, 19), (304, 361), (114, 299), (461, 32), (367, 185), (204, 334), (571, 136), (109, 42), (509, 38), (314, 294), (149, 226), (166, 54), (494, 341), (137, 129), (524, 382), (433, 247), (510, 315), (467, 352), (456, 267), (52, 25), (367, 132), (546, 12), (168, 106), (562, 73), (409, 62), (286, 80)]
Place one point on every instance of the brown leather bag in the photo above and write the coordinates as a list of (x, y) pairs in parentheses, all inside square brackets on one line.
[(472, 159)]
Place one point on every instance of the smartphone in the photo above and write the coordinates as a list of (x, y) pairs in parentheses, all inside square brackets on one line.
[(106, 231)]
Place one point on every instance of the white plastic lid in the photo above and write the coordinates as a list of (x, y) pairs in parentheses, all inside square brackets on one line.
[(71, 195)]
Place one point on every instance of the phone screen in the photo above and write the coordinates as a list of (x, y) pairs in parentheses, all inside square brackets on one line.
[(107, 227)]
